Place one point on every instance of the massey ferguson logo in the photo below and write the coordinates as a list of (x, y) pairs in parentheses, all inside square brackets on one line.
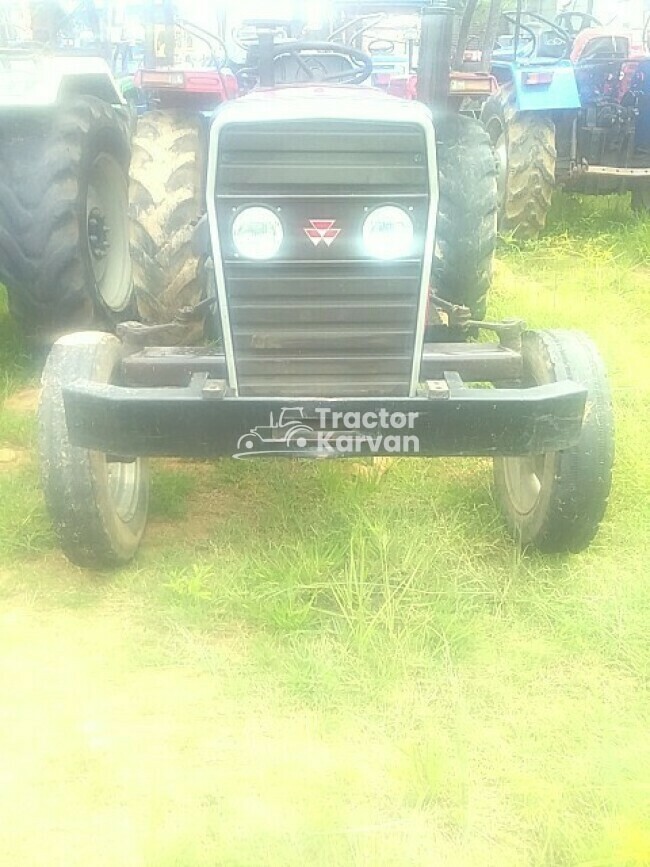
[(322, 232)]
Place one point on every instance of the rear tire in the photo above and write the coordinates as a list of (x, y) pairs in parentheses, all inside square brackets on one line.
[(467, 214), (466, 233), (63, 179), (98, 508), (556, 502), (167, 200), (524, 145)]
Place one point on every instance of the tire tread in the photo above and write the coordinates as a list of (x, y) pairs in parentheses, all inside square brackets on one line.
[(467, 214)]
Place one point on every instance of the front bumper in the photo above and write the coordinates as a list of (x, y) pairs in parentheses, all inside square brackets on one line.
[(200, 419)]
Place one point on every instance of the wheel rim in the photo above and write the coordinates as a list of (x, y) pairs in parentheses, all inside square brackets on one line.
[(524, 478), (108, 232), (124, 480)]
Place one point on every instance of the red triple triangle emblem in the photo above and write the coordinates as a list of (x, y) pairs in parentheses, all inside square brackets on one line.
[(322, 231)]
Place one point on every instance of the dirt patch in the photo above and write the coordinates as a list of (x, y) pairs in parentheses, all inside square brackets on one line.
[(12, 459), (205, 512), (373, 469), (24, 402)]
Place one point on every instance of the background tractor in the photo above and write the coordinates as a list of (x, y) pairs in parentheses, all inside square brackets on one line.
[(573, 110), (350, 238), (64, 161), (182, 80), (394, 41)]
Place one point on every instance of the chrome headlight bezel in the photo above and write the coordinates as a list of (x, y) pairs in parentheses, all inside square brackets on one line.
[(388, 233), (263, 244)]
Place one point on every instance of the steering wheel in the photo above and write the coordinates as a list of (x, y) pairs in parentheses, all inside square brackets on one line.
[(279, 27), (565, 35), (586, 21), (207, 38), (361, 62), (381, 46), (510, 18)]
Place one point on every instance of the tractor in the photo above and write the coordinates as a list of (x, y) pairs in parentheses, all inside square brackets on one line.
[(176, 100), (393, 41), (572, 111), (64, 163), (347, 242)]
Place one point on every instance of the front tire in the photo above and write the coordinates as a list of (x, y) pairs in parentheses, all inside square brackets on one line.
[(526, 155), (556, 502), (98, 507), (467, 214), (64, 245)]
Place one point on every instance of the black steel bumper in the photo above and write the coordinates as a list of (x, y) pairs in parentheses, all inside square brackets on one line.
[(201, 420)]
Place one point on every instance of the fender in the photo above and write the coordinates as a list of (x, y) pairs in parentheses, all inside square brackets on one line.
[(30, 80), (540, 86)]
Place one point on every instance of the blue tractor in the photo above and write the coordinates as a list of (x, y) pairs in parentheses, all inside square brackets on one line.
[(572, 111)]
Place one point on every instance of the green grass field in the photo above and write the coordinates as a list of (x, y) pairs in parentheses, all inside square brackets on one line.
[(342, 663)]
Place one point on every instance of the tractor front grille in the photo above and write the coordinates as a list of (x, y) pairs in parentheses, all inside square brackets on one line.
[(322, 320)]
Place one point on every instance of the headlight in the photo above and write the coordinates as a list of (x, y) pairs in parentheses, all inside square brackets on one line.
[(257, 233), (388, 233)]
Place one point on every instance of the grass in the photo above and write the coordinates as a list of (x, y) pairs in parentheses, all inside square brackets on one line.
[(342, 663)]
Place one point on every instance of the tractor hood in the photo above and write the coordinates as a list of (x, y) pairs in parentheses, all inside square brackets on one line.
[(327, 309), (37, 80), (313, 102)]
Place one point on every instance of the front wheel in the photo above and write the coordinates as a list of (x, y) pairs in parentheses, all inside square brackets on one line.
[(556, 502), (98, 504)]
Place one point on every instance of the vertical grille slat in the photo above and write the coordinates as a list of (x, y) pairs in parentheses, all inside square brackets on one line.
[(322, 321)]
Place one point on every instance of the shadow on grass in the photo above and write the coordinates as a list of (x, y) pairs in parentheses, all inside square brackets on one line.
[(18, 366)]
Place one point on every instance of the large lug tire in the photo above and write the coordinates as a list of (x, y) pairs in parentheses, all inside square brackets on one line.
[(466, 235), (167, 200), (556, 502), (98, 507), (64, 232), (526, 155)]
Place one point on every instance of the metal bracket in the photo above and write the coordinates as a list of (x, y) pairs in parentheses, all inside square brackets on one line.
[(458, 316), (437, 389), (509, 331), (137, 335), (214, 389)]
